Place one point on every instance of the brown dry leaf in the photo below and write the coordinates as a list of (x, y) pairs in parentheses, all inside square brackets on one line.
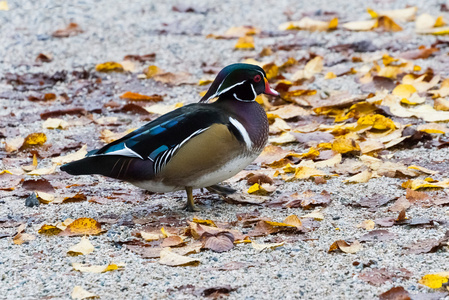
[(220, 242), (287, 112), (245, 43), (53, 123), (174, 78), (293, 220), (82, 226), (8, 181), (169, 258), (272, 156), (173, 241), (78, 293), (345, 247), (262, 247), (378, 277), (151, 236), (43, 171), (84, 247), (426, 246), (307, 23), (71, 30), (396, 293), (81, 153), (139, 97), (400, 205), (87, 268), (380, 235), (109, 66), (284, 138), (308, 200), (367, 224)]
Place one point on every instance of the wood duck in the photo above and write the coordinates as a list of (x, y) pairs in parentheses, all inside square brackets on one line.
[(194, 146)]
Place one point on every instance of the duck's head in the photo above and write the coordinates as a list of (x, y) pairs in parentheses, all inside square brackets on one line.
[(240, 81)]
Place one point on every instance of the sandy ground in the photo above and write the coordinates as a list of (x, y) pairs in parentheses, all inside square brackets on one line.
[(300, 269)]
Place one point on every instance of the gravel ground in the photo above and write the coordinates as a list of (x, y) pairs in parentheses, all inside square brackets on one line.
[(299, 270)]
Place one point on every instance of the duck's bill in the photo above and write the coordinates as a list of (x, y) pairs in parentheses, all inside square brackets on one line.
[(269, 90)]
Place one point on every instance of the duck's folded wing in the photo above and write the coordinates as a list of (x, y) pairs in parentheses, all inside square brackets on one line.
[(142, 153)]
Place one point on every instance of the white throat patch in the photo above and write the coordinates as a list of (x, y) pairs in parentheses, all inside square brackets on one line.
[(242, 131)]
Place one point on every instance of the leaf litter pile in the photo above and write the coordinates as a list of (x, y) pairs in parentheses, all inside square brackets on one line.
[(355, 168)]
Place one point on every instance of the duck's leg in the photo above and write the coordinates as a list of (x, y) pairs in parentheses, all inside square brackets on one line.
[(221, 190), (190, 206)]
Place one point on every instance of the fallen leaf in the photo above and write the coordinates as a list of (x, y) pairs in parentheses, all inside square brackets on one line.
[(245, 43), (204, 222), (367, 224), (45, 197), (109, 66), (162, 109), (34, 139), (360, 25), (396, 293), (262, 247), (84, 247), (172, 259), (52, 123), (173, 241), (345, 247), (434, 281), (307, 23), (4, 5), (87, 268), (49, 230), (71, 30), (14, 144), (219, 242), (377, 277), (316, 215), (362, 177), (21, 237), (81, 153), (82, 226), (139, 97), (78, 293), (380, 235)]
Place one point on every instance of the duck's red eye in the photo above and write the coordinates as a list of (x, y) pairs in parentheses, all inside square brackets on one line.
[(257, 78)]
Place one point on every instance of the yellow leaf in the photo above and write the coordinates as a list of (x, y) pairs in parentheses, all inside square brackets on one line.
[(333, 24), (279, 224), (307, 23), (417, 184), (84, 247), (79, 293), (271, 70), (34, 160), (372, 13), (205, 222), (306, 172), (165, 233), (330, 75), (439, 22), (204, 82), (433, 128), (404, 90), (441, 104), (422, 169), (82, 226), (344, 145), (262, 189), (151, 71), (35, 139), (245, 43), (433, 281), (387, 24), (86, 268), (378, 122), (312, 67), (262, 247), (4, 5), (109, 66), (49, 230)]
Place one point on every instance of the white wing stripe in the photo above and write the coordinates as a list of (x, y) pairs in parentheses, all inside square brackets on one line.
[(124, 152), (242, 131)]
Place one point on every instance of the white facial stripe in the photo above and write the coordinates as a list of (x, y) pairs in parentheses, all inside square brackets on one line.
[(254, 91), (242, 131), (225, 90), (125, 152)]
